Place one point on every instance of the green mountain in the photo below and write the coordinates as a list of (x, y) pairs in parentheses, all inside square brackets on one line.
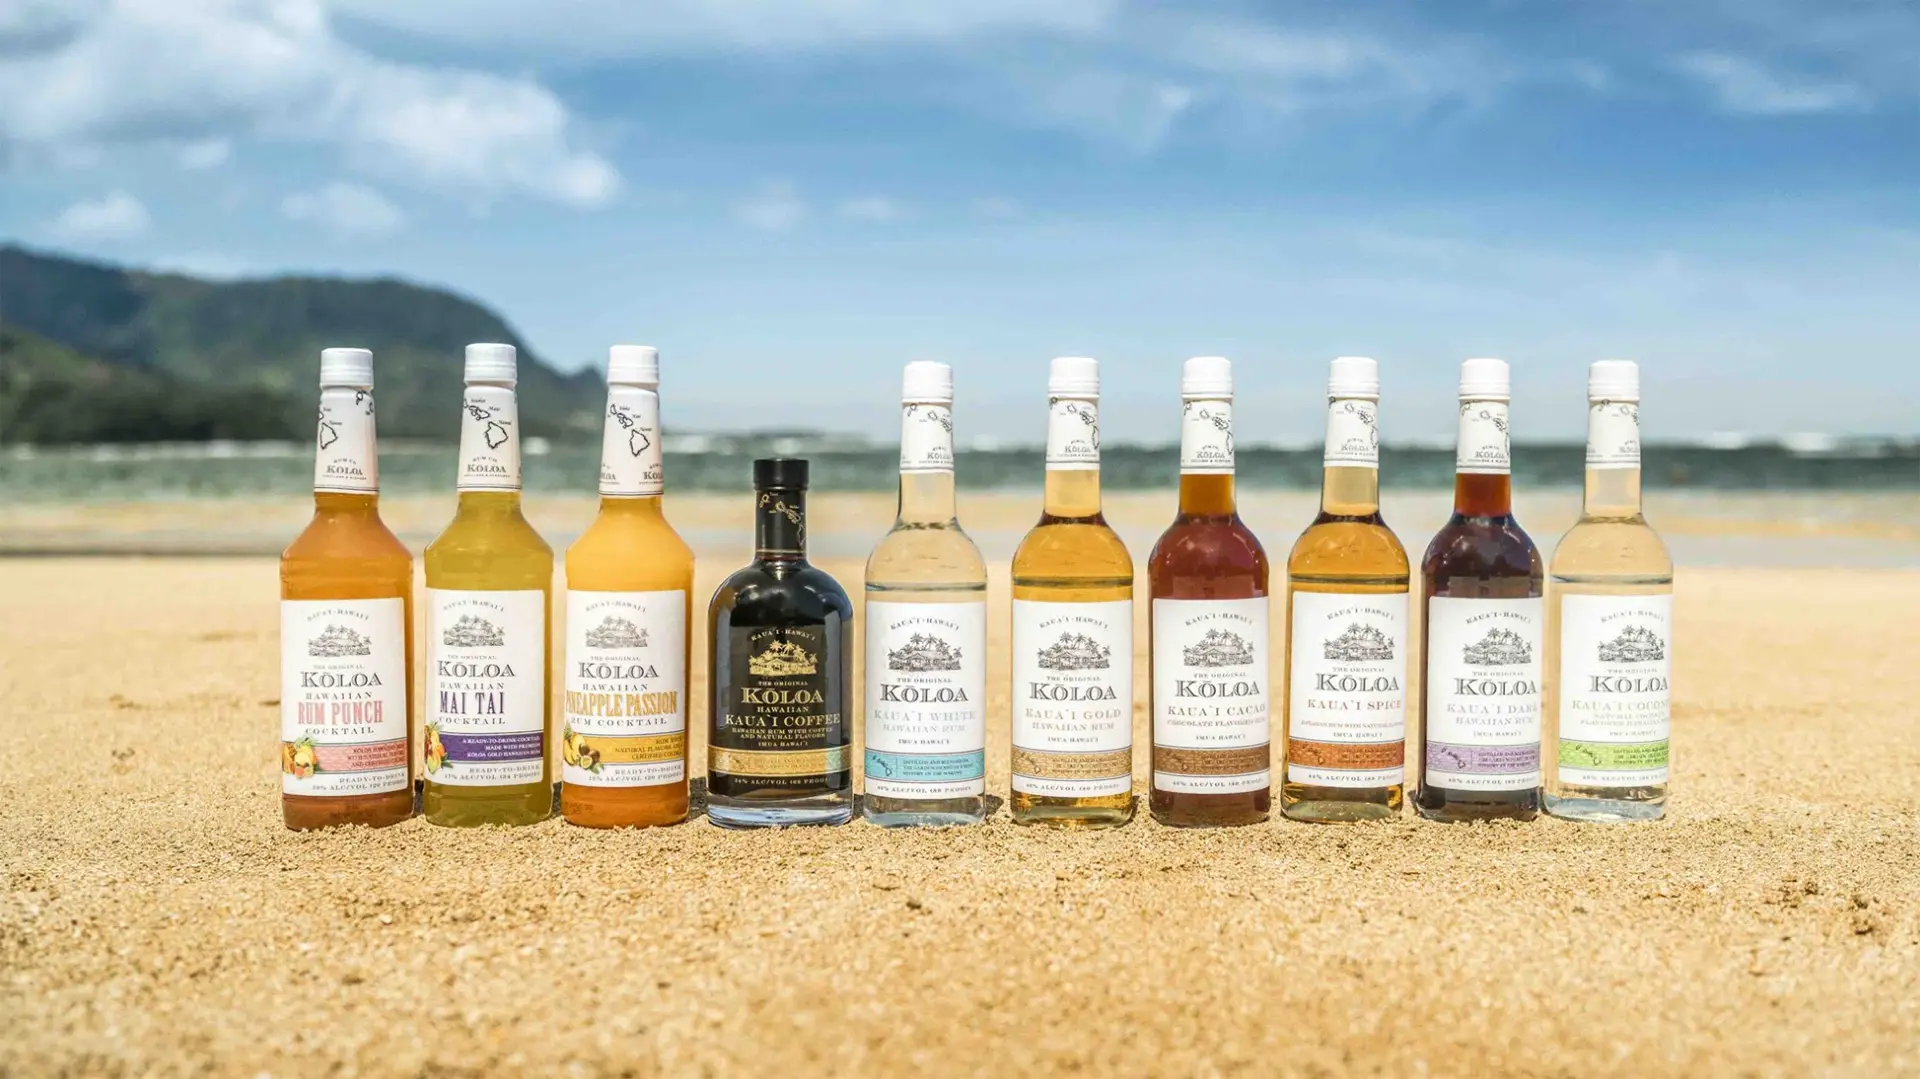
[(249, 351)]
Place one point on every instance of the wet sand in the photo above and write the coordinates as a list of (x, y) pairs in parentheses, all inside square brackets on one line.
[(158, 920)]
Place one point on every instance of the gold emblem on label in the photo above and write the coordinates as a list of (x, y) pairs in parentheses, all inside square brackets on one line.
[(783, 659)]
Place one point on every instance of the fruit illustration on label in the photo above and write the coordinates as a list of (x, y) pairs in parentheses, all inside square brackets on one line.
[(299, 759), (436, 749)]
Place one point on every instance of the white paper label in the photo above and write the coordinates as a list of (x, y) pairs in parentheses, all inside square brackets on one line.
[(630, 461), (1346, 691), (1211, 692), (1073, 698), (1073, 433), (926, 438), (1615, 666), (1613, 434), (624, 712), (486, 687), (343, 697), (926, 699), (1484, 448), (489, 440), (347, 461), (1483, 694), (1353, 434), (1206, 437)]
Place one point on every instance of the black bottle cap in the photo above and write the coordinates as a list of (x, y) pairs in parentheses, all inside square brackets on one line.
[(782, 472)]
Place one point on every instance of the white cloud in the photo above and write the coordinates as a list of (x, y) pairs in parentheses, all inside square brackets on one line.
[(347, 209), (116, 216), (1744, 86), (774, 208), (141, 71), (875, 208), (205, 154), (603, 28)]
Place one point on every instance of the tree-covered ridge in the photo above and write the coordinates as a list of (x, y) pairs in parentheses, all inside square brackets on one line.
[(261, 340)]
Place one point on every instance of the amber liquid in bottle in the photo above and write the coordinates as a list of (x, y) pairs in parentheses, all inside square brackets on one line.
[(1481, 701), (1207, 579), (347, 589)]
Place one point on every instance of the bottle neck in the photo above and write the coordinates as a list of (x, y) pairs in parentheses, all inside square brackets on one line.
[(1072, 493), (926, 463), (489, 441), (1351, 485), (1613, 460), (780, 524), (346, 458), (630, 454), (338, 504), (1611, 492), (1073, 457), (1204, 495), (623, 506), (489, 504), (1477, 494)]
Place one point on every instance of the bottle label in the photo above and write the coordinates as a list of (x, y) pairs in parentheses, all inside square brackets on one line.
[(486, 687), (347, 461), (625, 712), (926, 437), (926, 699), (1483, 694), (1206, 437), (1073, 433), (1614, 700), (489, 440), (1613, 434), (630, 459), (1211, 714), (781, 717), (1484, 449), (1347, 695), (1353, 434), (343, 697), (1073, 698)]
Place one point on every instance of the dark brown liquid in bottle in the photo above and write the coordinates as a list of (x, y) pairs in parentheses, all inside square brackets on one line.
[(1480, 553), (1207, 553)]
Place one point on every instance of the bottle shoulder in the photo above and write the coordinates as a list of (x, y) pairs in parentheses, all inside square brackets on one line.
[(617, 551), (1611, 547), (1334, 546), (926, 553), (1196, 546), (805, 592), (478, 533), (1482, 547), (1089, 548), (361, 538)]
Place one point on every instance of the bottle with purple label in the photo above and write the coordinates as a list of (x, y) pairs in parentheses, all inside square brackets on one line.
[(1484, 622), (489, 624)]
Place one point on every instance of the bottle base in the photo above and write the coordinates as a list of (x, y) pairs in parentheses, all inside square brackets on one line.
[(514, 806), (1601, 810), (1338, 811), (1071, 818), (922, 813), (303, 813), (1446, 806), (778, 816)]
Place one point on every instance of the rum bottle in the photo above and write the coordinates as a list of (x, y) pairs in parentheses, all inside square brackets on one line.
[(1346, 699), (1207, 633), (1610, 628), (1072, 630), (1484, 623), (489, 623), (926, 617), (780, 728), (346, 628), (623, 739)]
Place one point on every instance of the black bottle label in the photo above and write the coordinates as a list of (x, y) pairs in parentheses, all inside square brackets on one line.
[(782, 720)]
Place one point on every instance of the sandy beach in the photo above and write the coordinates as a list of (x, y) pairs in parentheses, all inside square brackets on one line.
[(158, 920)]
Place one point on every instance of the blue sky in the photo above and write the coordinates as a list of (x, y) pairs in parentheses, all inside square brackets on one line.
[(793, 198)]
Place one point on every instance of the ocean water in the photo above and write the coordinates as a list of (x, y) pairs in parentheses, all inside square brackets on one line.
[(709, 463)]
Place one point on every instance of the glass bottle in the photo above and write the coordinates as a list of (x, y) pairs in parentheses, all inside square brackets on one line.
[(623, 740), (779, 735), (926, 618), (1072, 630), (1610, 628), (1209, 662), (1484, 624), (346, 628), (489, 623), (1346, 697)]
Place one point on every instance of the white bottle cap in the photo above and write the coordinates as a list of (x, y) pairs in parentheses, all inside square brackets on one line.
[(1074, 376), (492, 363), (927, 382), (346, 367), (1207, 376), (1485, 380), (1613, 380), (634, 365), (1354, 377)]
